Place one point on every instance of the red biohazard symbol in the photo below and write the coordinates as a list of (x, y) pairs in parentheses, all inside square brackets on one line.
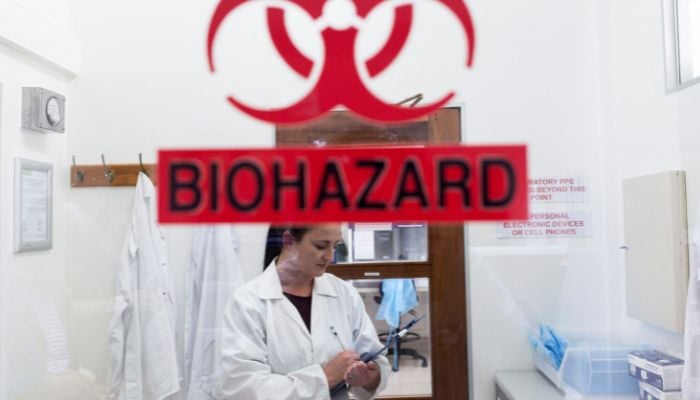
[(339, 82)]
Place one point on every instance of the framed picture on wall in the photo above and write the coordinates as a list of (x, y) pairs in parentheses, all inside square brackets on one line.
[(33, 219)]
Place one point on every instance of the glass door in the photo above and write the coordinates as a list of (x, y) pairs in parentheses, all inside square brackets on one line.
[(405, 258)]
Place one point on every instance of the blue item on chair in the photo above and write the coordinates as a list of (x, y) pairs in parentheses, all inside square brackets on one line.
[(398, 297)]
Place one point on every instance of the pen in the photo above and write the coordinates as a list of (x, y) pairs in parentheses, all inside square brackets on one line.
[(333, 331)]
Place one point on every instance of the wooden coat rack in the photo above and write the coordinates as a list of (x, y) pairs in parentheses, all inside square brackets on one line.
[(110, 175)]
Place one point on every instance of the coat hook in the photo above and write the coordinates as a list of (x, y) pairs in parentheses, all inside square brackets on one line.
[(109, 175), (414, 100), (79, 175), (143, 169), (418, 98)]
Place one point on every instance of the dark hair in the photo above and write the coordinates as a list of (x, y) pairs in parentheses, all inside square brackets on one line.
[(273, 245)]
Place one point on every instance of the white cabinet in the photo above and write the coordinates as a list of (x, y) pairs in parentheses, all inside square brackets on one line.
[(656, 243)]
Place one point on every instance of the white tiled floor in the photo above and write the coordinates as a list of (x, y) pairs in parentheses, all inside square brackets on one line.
[(411, 378)]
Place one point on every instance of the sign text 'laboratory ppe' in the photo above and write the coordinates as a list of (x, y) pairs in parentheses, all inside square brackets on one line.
[(433, 183), (339, 77)]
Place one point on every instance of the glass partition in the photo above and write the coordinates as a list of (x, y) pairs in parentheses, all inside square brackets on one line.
[(383, 242), (409, 355)]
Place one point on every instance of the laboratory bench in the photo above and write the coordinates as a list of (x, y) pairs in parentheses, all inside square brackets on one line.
[(525, 385), (532, 385)]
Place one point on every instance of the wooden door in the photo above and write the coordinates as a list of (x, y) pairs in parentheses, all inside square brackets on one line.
[(445, 264)]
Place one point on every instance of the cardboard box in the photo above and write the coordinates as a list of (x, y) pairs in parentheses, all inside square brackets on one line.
[(656, 369)]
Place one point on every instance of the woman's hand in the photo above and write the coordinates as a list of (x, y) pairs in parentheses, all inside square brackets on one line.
[(337, 367), (365, 375)]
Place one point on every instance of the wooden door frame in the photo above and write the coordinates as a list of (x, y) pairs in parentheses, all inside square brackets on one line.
[(445, 267)]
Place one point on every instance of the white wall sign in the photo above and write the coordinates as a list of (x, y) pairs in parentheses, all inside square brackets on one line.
[(33, 205), (548, 224), (563, 189)]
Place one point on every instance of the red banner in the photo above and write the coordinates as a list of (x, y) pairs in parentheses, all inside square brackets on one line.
[(302, 185)]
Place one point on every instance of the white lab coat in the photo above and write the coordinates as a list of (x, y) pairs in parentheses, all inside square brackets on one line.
[(214, 274), (691, 342), (268, 353), (142, 329)]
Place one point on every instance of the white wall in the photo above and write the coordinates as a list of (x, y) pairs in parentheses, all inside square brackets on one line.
[(42, 30), (37, 277), (37, 48), (653, 131)]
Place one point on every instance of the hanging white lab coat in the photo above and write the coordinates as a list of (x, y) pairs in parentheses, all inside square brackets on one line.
[(268, 353), (142, 329), (214, 274), (691, 339)]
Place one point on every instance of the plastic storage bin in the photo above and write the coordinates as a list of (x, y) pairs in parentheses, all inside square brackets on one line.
[(592, 370)]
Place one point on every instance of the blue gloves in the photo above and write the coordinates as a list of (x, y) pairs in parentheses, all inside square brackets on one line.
[(553, 344)]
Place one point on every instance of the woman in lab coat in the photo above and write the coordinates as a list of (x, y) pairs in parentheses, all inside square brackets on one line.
[(295, 332)]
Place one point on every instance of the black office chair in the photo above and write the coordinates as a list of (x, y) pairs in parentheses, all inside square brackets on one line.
[(396, 348)]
